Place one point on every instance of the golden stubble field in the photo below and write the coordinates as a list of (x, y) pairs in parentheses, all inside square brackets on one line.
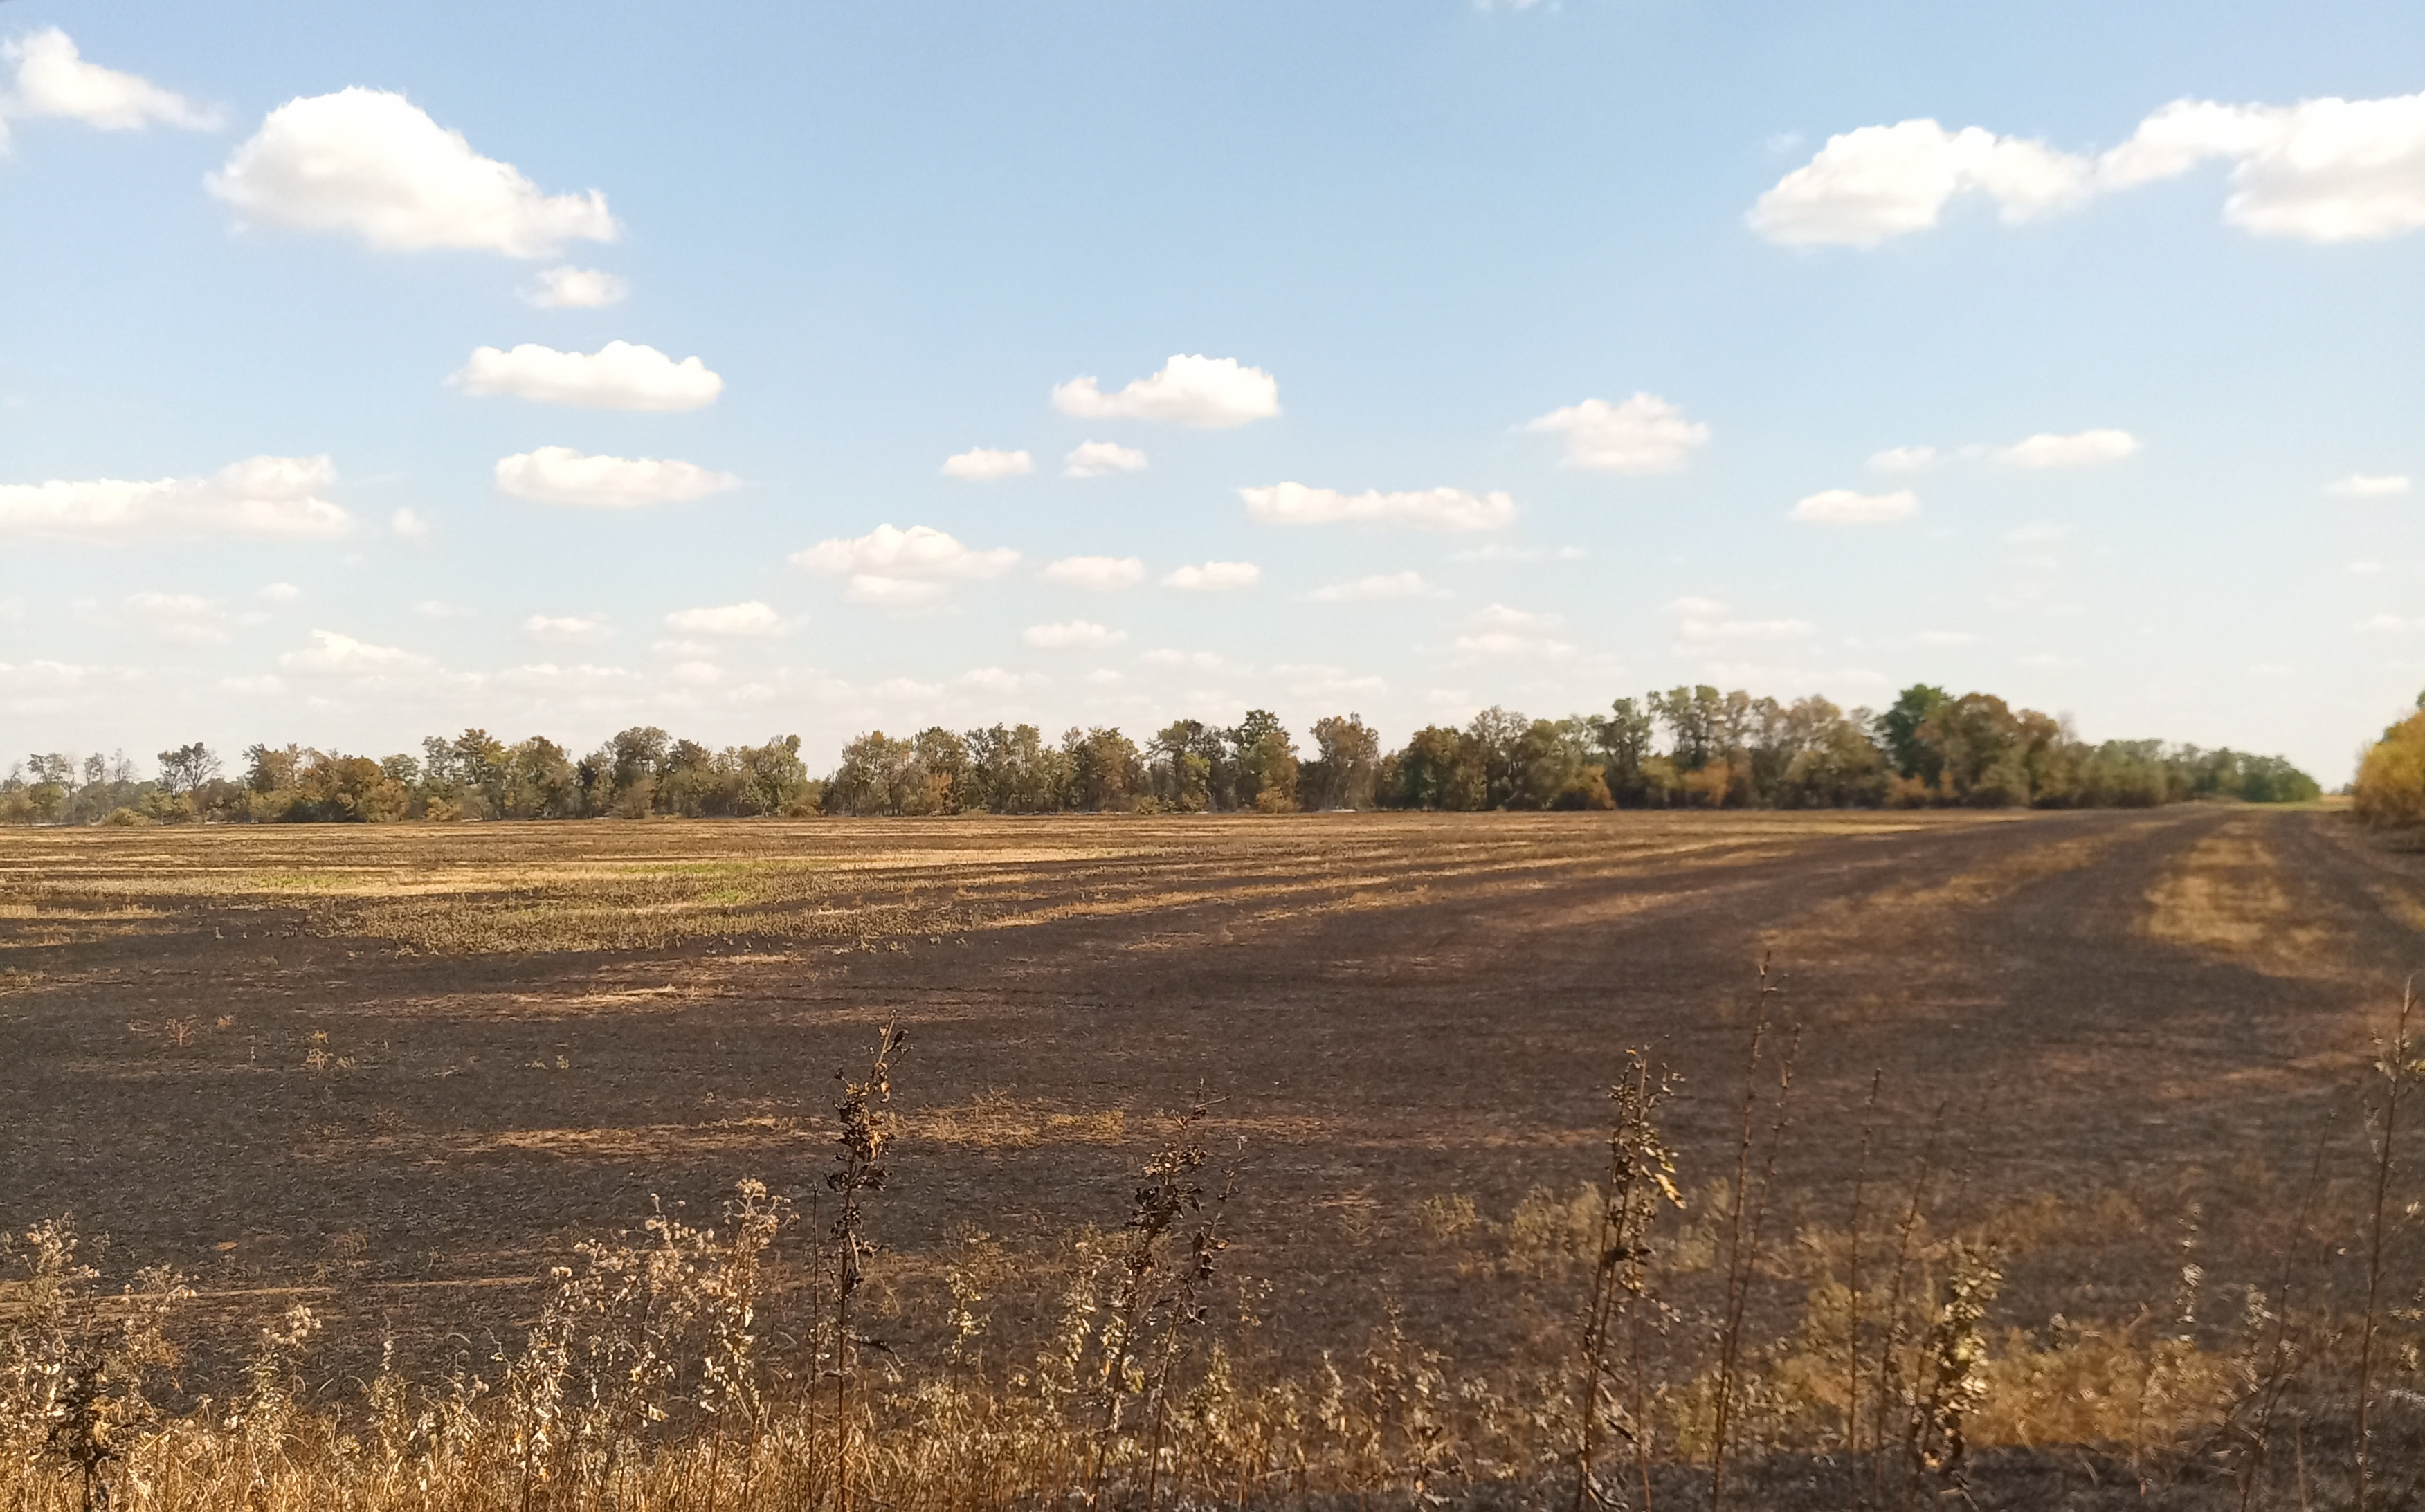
[(398, 1071)]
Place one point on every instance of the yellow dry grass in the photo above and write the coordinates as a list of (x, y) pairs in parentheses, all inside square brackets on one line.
[(2228, 896), (1853, 924), (853, 885)]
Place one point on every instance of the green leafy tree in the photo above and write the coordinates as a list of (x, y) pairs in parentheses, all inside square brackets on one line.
[(1345, 765)]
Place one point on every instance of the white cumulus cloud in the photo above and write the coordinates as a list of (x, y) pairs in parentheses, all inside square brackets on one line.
[(559, 474), (1214, 577), (1878, 182), (372, 163), (1096, 571), (1096, 458), (335, 654), (409, 525), (273, 498), (1379, 588), (981, 465), (2085, 449), (2323, 170), (894, 592), (1707, 621), (1208, 392), (576, 288), (619, 375), (747, 619), (578, 628), (1843, 506), (1904, 460), (921, 551), (1073, 635), (2370, 485), (1444, 510), (1500, 631), (1643, 434), (53, 80), (180, 616)]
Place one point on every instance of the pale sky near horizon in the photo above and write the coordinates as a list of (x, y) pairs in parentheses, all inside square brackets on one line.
[(369, 373)]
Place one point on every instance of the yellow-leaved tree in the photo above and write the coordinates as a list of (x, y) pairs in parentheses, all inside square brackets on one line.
[(2391, 780)]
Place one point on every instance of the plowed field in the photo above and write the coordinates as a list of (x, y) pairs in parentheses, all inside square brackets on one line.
[(405, 1067)]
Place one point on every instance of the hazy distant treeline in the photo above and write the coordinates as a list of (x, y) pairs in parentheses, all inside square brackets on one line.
[(1685, 747)]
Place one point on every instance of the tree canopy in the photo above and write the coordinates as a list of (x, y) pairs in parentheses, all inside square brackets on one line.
[(1691, 746)]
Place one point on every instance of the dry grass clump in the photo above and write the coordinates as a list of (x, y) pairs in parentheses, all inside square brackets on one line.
[(1713, 1345)]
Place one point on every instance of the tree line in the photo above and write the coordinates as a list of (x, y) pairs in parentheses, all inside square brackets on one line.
[(1683, 748)]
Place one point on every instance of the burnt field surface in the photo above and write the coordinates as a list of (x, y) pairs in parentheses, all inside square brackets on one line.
[(398, 1071)]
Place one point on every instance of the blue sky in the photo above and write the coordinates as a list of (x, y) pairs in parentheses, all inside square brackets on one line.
[(2069, 355)]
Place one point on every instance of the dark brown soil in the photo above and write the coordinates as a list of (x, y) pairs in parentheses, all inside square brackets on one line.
[(215, 1048)]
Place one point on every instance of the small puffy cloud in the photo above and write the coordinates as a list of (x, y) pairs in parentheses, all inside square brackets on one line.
[(1500, 552), (982, 466), (619, 375), (559, 474), (998, 681), (53, 80), (1643, 434), (1442, 509), (576, 288), (1904, 460), (1509, 643), (748, 618), (409, 525), (1500, 631), (920, 551), (1316, 680), (1096, 458), (441, 609), (1073, 635), (574, 628), (2085, 449), (1708, 620), (269, 498), (1214, 577), (2321, 170), (373, 164), (1843, 506), (1878, 182), (1096, 571), (1377, 589), (2364, 569), (1500, 617), (894, 592), (2037, 533), (278, 593), (188, 618), (2369, 485), (335, 654), (1206, 391), (1193, 661)]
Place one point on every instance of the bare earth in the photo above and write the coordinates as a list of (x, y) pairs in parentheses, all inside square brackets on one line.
[(413, 1064)]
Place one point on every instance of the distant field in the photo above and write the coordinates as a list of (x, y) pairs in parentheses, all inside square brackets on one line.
[(401, 1069), (523, 1030)]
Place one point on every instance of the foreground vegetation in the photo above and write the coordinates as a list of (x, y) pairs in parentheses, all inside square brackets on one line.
[(1706, 1341), (1720, 750)]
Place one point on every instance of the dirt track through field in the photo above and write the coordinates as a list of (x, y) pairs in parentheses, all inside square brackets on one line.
[(295, 1057)]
